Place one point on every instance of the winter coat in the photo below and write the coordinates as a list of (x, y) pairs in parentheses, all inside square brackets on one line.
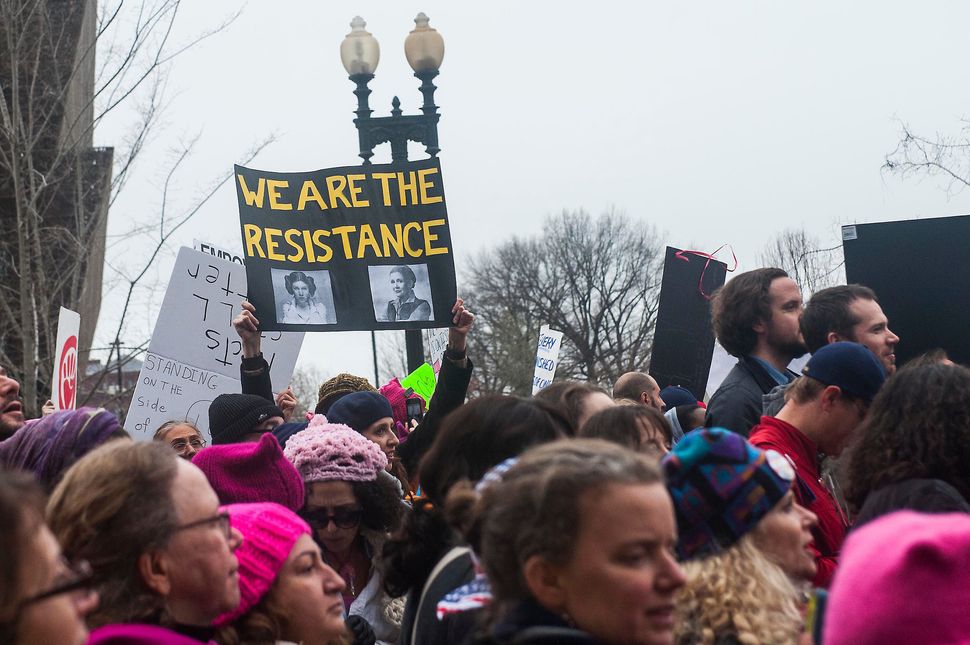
[(775, 434), (737, 403)]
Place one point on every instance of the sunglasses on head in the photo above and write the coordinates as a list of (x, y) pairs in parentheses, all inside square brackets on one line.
[(342, 517)]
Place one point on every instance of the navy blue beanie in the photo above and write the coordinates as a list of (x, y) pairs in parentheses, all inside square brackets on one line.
[(360, 410)]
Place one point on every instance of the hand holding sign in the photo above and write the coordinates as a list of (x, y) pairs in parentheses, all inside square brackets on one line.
[(247, 327), (463, 321)]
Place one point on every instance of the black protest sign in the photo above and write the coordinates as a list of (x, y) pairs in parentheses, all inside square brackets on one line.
[(352, 248), (919, 270), (683, 340)]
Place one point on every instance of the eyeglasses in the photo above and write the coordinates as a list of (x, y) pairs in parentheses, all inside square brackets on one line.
[(78, 577), (222, 519), (343, 518), (182, 445)]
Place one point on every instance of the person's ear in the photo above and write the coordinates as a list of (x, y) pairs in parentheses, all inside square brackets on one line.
[(833, 337), (154, 567), (760, 327), (542, 579), (830, 397), (644, 398)]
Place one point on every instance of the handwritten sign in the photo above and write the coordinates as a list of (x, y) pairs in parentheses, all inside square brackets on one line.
[(219, 252), (421, 381), (435, 342), (64, 386), (195, 353), (547, 358)]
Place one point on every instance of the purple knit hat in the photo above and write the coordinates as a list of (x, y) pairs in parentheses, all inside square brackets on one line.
[(252, 472), (269, 532), (49, 446), (333, 452)]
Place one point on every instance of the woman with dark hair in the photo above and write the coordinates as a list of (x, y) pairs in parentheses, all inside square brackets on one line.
[(578, 401), (351, 511), (430, 559), (183, 436), (577, 539), (302, 308), (636, 427), (43, 599), (914, 447), (406, 306)]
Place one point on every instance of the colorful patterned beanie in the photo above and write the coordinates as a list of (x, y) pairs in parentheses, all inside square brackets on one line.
[(333, 452), (721, 488)]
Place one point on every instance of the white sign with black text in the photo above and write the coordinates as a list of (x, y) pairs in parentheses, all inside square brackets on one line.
[(547, 358)]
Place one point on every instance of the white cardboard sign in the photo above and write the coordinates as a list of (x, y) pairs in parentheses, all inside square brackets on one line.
[(435, 341), (217, 251), (64, 384), (547, 358), (195, 353)]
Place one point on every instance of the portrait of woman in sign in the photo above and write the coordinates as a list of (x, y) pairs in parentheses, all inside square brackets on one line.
[(302, 308), (405, 305)]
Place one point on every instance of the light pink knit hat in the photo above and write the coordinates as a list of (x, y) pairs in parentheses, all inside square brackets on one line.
[(269, 532), (333, 452)]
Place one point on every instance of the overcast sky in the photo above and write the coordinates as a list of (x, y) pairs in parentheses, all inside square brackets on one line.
[(719, 122)]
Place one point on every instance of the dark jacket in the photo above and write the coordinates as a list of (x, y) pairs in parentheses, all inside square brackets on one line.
[(532, 624), (923, 495), (254, 374), (420, 612), (737, 404), (449, 394)]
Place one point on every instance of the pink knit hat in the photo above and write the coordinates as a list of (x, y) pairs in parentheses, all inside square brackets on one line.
[(252, 472), (393, 391), (333, 452), (903, 578), (136, 634), (269, 532)]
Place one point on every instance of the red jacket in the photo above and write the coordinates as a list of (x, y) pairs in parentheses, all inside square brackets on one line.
[(778, 435)]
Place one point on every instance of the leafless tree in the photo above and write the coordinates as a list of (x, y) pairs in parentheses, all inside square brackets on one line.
[(943, 156), (306, 382), (595, 279), (806, 261), (55, 187)]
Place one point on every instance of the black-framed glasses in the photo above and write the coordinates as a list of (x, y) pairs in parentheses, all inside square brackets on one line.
[(222, 520), (342, 517), (79, 577), (182, 445)]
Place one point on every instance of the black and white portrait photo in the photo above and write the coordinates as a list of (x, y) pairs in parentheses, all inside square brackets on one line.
[(401, 292), (303, 297)]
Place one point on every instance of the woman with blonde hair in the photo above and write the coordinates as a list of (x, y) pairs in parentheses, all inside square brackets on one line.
[(743, 540)]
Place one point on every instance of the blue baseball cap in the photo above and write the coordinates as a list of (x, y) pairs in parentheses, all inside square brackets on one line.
[(849, 366), (674, 395)]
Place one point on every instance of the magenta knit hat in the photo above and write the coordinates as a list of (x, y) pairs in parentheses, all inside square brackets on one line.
[(252, 472), (136, 634), (902, 578), (269, 532), (333, 452)]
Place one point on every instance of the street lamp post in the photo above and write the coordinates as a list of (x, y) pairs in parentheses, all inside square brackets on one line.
[(360, 54)]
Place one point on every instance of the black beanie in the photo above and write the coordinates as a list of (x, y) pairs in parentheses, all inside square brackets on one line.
[(233, 415)]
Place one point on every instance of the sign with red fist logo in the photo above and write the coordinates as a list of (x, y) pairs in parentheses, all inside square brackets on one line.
[(64, 387)]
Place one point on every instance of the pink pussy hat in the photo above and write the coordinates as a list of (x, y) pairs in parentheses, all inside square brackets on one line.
[(269, 533), (252, 472), (903, 578), (334, 452)]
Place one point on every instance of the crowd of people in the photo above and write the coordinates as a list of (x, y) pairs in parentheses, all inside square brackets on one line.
[(826, 506)]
